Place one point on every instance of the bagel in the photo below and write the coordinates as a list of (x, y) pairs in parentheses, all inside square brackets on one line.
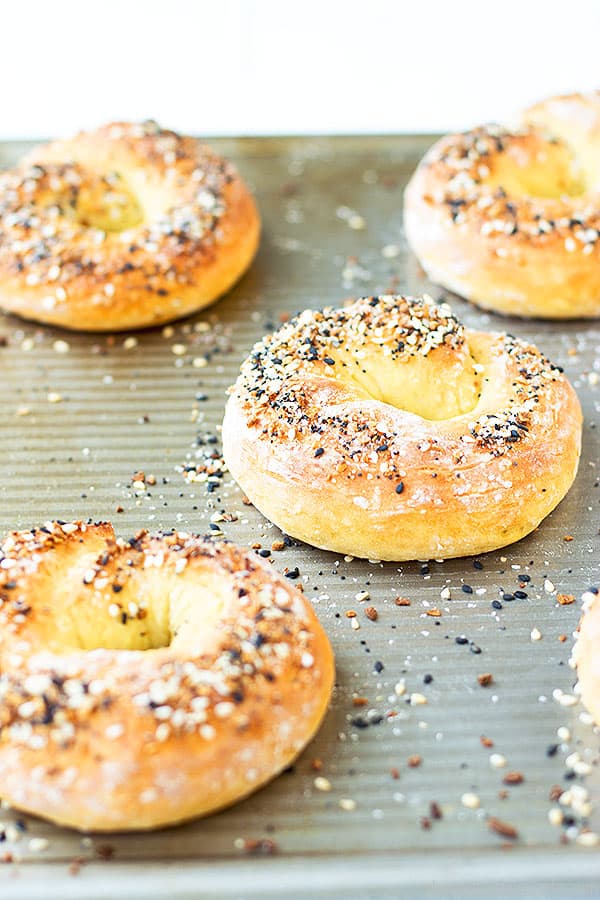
[(387, 430), (510, 219), (123, 227), (150, 681), (586, 655)]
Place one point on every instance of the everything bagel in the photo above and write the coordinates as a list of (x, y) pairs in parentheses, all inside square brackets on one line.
[(123, 227), (146, 682), (387, 430), (586, 655), (510, 219)]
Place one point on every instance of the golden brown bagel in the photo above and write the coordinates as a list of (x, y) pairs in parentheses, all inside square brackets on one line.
[(586, 655), (149, 681), (510, 219), (123, 227), (387, 430)]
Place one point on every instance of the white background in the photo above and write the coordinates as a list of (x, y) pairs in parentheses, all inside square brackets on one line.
[(309, 66)]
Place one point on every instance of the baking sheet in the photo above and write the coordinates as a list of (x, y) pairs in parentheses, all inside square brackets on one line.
[(82, 414)]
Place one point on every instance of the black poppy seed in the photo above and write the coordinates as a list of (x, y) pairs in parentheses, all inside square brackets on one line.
[(264, 553), (552, 750), (293, 573), (359, 722), (427, 679), (525, 578), (378, 666), (477, 564), (424, 569), (461, 639), (466, 589), (319, 452), (521, 595), (329, 361), (496, 604), (474, 648), (399, 487), (508, 597)]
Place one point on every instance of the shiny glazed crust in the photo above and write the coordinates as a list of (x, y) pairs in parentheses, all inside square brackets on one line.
[(124, 227), (510, 219), (386, 430), (150, 681)]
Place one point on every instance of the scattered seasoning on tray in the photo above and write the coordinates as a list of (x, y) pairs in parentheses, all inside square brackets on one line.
[(322, 784), (76, 864), (470, 800), (513, 778), (256, 846), (503, 829), (435, 810)]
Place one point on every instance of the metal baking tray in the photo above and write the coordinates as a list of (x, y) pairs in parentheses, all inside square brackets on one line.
[(82, 414)]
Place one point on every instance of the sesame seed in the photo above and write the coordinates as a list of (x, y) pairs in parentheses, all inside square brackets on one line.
[(38, 844), (322, 784), (588, 839), (417, 699)]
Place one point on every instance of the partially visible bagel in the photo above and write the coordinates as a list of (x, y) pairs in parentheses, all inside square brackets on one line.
[(510, 218), (148, 681), (586, 655), (387, 430), (123, 227)]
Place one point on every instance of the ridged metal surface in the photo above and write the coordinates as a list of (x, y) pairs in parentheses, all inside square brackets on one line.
[(127, 408)]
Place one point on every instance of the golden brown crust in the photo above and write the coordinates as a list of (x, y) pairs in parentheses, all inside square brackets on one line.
[(149, 681), (387, 430), (124, 227), (510, 219)]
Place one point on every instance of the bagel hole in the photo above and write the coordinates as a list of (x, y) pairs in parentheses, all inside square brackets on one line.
[(154, 609), (549, 174), (108, 204), (432, 387)]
